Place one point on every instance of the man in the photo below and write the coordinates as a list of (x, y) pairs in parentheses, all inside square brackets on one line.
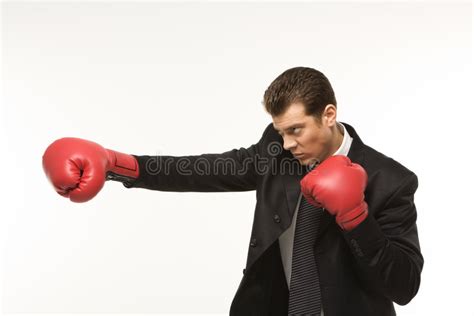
[(334, 231)]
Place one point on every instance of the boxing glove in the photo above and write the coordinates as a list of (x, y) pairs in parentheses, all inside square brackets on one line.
[(78, 168), (338, 185)]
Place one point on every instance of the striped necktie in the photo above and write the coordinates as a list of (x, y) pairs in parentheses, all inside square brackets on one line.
[(305, 294)]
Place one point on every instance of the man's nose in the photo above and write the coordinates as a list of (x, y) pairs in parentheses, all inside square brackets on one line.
[(288, 143)]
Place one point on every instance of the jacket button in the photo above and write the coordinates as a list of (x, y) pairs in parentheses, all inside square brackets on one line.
[(243, 271), (253, 242), (276, 218), (357, 249)]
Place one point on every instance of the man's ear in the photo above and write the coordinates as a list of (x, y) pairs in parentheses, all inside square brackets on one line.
[(329, 115)]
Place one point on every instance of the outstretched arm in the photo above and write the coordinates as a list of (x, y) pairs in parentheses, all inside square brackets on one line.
[(234, 170)]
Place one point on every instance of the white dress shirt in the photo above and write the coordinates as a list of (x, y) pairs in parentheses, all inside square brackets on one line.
[(286, 239)]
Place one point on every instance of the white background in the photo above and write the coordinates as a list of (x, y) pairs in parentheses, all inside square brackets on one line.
[(188, 78)]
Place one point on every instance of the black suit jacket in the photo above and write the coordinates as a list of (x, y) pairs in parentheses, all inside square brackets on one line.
[(362, 272)]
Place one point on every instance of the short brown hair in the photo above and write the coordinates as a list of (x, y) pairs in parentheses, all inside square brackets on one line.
[(300, 84)]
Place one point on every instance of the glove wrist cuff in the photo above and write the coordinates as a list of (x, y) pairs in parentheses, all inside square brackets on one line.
[(352, 219), (121, 167)]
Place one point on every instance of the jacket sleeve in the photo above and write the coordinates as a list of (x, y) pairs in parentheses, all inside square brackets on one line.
[(386, 246), (234, 170)]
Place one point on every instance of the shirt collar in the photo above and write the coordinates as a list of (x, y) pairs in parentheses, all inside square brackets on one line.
[(346, 142)]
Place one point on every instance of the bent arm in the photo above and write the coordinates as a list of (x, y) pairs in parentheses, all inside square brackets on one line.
[(386, 246)]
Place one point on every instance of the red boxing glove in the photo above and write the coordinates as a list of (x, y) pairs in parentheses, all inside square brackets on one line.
[(77, 168), (338, 185)]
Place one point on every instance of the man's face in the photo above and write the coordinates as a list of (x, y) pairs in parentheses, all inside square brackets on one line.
[(307, 140)]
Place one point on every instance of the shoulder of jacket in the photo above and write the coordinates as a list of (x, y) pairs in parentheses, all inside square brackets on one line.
[(270, 134), (377, 163)]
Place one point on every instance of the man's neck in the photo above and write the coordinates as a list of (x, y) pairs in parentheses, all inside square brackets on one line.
[(338, 138)]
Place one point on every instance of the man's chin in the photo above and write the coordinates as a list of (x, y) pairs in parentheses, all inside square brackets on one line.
[(308, 161)]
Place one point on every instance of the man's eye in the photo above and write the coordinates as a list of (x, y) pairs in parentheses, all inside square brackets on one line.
[(291, 130)]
